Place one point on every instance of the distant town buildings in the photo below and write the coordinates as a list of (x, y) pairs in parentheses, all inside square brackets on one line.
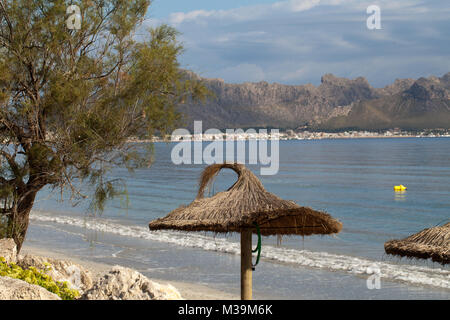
[(306, 135)]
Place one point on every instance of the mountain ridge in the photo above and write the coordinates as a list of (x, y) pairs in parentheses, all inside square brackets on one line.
[(336, 103)]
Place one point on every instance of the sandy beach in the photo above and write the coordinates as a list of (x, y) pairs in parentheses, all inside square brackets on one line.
[(189, 291)]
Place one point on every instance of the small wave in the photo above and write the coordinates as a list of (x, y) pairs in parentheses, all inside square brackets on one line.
[(114, 255), (419, 275)]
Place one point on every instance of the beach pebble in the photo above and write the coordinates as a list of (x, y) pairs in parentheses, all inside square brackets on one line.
[(15, 289), (126, 284), (8, 250), (60, 270)]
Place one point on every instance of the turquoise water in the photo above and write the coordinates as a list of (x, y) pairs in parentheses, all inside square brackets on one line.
[(351, 179)]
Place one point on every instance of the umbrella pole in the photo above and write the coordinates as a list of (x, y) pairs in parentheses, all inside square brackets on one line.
[(246, 264)]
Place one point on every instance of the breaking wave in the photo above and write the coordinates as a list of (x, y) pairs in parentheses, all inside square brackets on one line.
[(418, 275)]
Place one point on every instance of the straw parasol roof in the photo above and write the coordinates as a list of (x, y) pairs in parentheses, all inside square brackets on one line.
[(246, 202), (431, 243)]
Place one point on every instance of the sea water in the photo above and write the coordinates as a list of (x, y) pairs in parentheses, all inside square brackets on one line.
[(351, 179)]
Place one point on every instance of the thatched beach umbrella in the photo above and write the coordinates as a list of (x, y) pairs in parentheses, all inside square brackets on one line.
[(246, 207), (431, 243)]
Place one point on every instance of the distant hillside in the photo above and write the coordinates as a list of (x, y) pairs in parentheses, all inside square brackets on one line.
[(425, 104), (335, 103)]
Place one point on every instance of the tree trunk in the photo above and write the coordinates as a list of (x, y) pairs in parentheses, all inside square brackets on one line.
[(19, 219)]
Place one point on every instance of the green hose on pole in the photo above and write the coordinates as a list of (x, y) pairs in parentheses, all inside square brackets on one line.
[(258, 246)]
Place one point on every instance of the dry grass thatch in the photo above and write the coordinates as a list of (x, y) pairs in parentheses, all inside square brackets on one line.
[(243, 204), (432, 243)]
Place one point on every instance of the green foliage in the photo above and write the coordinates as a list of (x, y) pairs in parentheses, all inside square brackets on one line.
[(70, 100), (39, 278)]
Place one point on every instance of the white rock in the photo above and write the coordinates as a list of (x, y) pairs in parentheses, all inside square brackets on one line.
[(61, 270), (8, 250), (15, 289), (126, 284)]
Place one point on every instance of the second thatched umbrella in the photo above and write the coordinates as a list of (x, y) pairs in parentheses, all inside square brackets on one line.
[(432, 243), (246, 207)]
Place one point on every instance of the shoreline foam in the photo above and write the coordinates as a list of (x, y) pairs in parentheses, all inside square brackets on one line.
[(413, 275)]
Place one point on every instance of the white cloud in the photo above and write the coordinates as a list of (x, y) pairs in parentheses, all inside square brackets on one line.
[(247, 13), (297, 41), (249, 72), (251, 35), (180, 17), (294, 75), (296, 5)]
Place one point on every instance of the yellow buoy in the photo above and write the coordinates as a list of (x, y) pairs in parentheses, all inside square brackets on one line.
[(399, 188)]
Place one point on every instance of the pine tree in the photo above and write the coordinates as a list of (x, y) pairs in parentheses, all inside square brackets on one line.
[(77, 80)]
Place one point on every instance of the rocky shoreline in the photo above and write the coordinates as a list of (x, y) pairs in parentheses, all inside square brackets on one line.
[(117, 283)]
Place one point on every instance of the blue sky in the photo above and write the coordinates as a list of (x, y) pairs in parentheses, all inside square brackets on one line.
[(163, 8), (297, 41)]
